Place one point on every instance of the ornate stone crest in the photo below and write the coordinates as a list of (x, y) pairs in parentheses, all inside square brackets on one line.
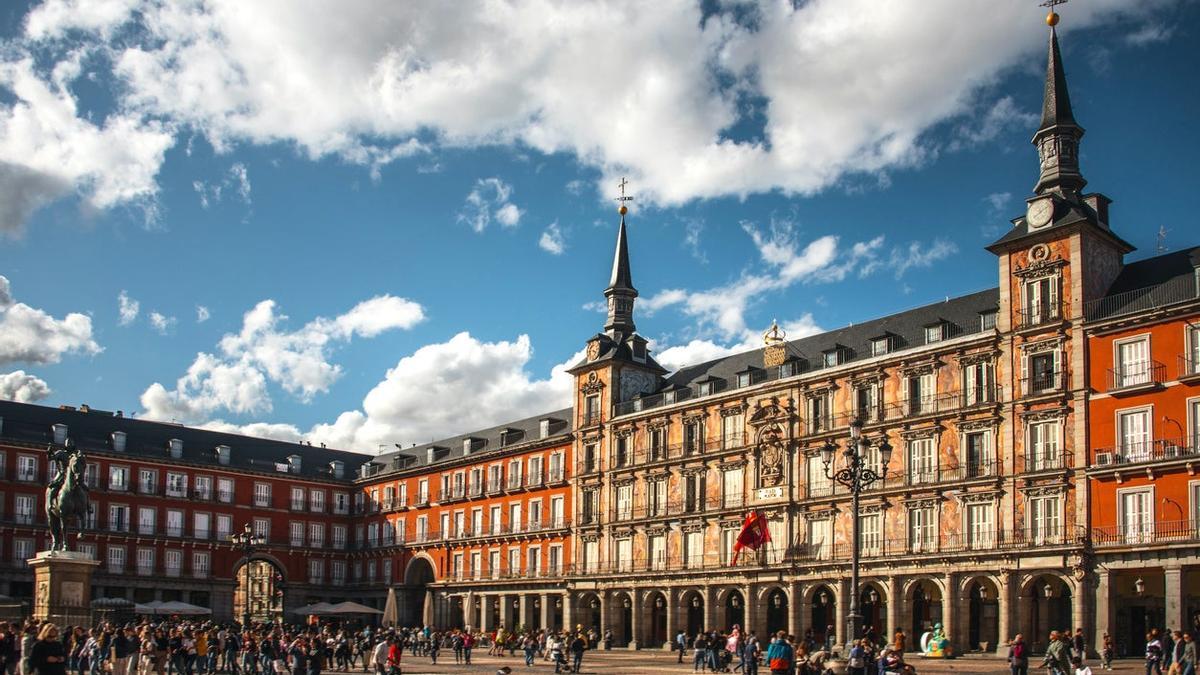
[(770, 442)]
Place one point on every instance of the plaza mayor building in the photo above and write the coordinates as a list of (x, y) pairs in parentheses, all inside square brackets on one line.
[(1044, 439)]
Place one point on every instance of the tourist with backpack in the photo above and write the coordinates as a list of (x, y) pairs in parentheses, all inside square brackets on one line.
[(780, 655), (1018, 656)]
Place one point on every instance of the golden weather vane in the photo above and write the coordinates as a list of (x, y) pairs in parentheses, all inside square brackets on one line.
[(623, 198), (1052, 17)]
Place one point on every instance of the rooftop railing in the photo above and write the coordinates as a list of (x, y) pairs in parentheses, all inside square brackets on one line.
[(1178, 290)]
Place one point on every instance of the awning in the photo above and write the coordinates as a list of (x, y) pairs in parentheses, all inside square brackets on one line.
[(315, 608), (182, 609), (352, 608)]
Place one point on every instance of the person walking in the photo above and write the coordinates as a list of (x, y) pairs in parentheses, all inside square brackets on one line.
[(700, 657), (578, 646), (1056, 656), (750, 654), (48, 656), (680, 644), (1154, 654), (856, 664), (1188, 662), (1107, 651), (780, 655), (1018, 656)]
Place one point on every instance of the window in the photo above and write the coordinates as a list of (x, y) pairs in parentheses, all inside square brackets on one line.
[(819, 412), (1132, 363), (870, 533), (145, 562), (881, 346), (201, 525), (734, 485), (693, 492), (533, 559), (1040, 301), (296, 534), (980, 458), (225, 490), (23, 507), (624, 502), (922, 461), (866, 401), (556, 467), (621, 451), (1191, 357), (922, 393), (224, 527), (494, 481), (778, 546), (457, 567), (987, 321), (91, 476), (204, 487), (476, 564), (477, 522), (339, 534), (589, 458), (514, 561), (535, 471), (590, 509), (514, 517), (1134, 435), (1043, 446), (460, 524), (341, 501), (705, 388), (728, 538), (656, 497), (422, 529), (177, 484), (693, 436), (494, 519), (200, 564), (1136, 515), (514, 474), (262, 494), (535, 515), (173, 562), (554, 560), (591, 556), (337, 572), (423, 491), (981, 528), (624, 556), (1045, 520), (262, 528), (832, 357), (475, 484), (922, 532), (979, 383), (591, 410), (372, 535), (316, 571), (174, 523), (27, 468), (445, 524), (820, 538), (1194, 417), (316, 534), (657, 437), (693, 549), (147, 515), (494, 564), (118, 478), (297, 502), (118, 518), (732, 431), (819, 485), (935, 333), (23, 551), (116, 559)]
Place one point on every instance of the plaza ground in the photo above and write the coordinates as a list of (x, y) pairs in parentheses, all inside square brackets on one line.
[(621, 662)]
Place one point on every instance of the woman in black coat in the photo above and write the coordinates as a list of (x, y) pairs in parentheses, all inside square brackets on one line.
[(49, 656)]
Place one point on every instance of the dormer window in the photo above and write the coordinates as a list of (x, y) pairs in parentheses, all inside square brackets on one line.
[(987, 320), (881, 345), (935, 333), (706, 388), (467, 443), (543, 428), (669, 396), (747, 377), (834, 357)]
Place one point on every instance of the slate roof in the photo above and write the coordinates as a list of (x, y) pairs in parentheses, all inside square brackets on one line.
[(446, 449), (92, 430), (1056, 104), (1150, 284), (906, 329)]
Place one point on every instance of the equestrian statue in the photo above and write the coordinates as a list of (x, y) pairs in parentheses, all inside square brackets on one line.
[(66, 495)]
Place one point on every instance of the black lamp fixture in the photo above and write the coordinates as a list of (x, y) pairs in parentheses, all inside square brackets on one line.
[(735, 601), (873, 596), (1048, 591), (659, 602), (1139, 586), (777, 600), (823, 598), (627, 604), (696, 603), (595, 603)]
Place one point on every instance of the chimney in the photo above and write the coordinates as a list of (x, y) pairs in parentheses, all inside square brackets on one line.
[(430, 455), (544, 427), (223, 454), (1099, 203), (60, 434), (338, 467), (175, 447), (467, 443), (293, 463), (364, 471), (118, 441)]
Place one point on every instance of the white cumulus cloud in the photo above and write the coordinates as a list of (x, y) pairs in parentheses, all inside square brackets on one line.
[(127, 309), (202, 314), (552, 240), (161, 323), (22, 387), (32, 335), (489, 200)]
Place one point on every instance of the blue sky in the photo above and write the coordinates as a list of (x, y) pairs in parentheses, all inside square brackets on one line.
[(821, 166)]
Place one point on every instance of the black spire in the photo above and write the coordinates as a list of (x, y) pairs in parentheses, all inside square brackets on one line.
[(1057, 138), (620, 292)]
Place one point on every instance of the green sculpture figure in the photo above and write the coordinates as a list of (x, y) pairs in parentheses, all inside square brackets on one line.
[(936, 645), (66, 495)]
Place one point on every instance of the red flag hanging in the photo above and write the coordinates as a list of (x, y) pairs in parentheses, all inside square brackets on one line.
[(754, 534)]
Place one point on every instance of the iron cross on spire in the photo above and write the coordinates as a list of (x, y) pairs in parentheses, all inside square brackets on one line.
[(623, 198), (1051, 4)]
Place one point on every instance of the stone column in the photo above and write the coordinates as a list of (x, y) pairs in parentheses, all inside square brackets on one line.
[(949, 610), (604, 622), (568, 612), (1079, 606), (1005, 625), (1105, 617), (672, 611), (545, 614), (468, 608), (1173, 580), (894, 605), (843, 609), (635, 618), (797, 610), (485, 612), (523, 612), (751, 617), (710, 614)]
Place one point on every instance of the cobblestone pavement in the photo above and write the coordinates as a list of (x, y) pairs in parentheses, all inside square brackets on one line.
[(620, 662)]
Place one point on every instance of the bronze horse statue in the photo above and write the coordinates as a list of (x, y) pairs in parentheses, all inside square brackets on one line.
[(66, 496)]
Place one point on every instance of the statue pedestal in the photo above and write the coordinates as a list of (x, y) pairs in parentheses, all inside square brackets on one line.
[(62, 583)]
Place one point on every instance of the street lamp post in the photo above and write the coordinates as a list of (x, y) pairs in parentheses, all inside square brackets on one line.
[(248, 542), (856, 476)]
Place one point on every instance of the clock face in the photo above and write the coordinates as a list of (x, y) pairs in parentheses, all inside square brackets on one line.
[(593, 350), (1039, 213)]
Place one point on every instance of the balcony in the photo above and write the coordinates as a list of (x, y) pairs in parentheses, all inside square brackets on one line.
[(495, 485), (1049, 460), (591, 419), (534, 479), (1042, 384), (645, 511), (225, 496), (147, 489), (734, 440), (514, 482), (1038, 315), (1188, 368), (202, 494), (556, 474), (262, 501), (1158, 450), (297, 505), (1147, 533), (474, 489), (1135, 378)]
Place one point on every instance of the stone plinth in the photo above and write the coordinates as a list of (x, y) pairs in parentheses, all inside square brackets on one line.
[(62, 587)]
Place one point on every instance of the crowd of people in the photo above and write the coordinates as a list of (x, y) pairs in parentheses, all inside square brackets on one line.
[(206, 648)]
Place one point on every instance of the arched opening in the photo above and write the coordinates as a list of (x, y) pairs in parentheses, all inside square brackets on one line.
[(413, 596), (1049, 601), (823, 613), (777, 611), (258, 595), (983, 615), (926, 599), (623, 633), (658, 619), (873, 606), (735, 610), (591, 612), (694, 605)]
